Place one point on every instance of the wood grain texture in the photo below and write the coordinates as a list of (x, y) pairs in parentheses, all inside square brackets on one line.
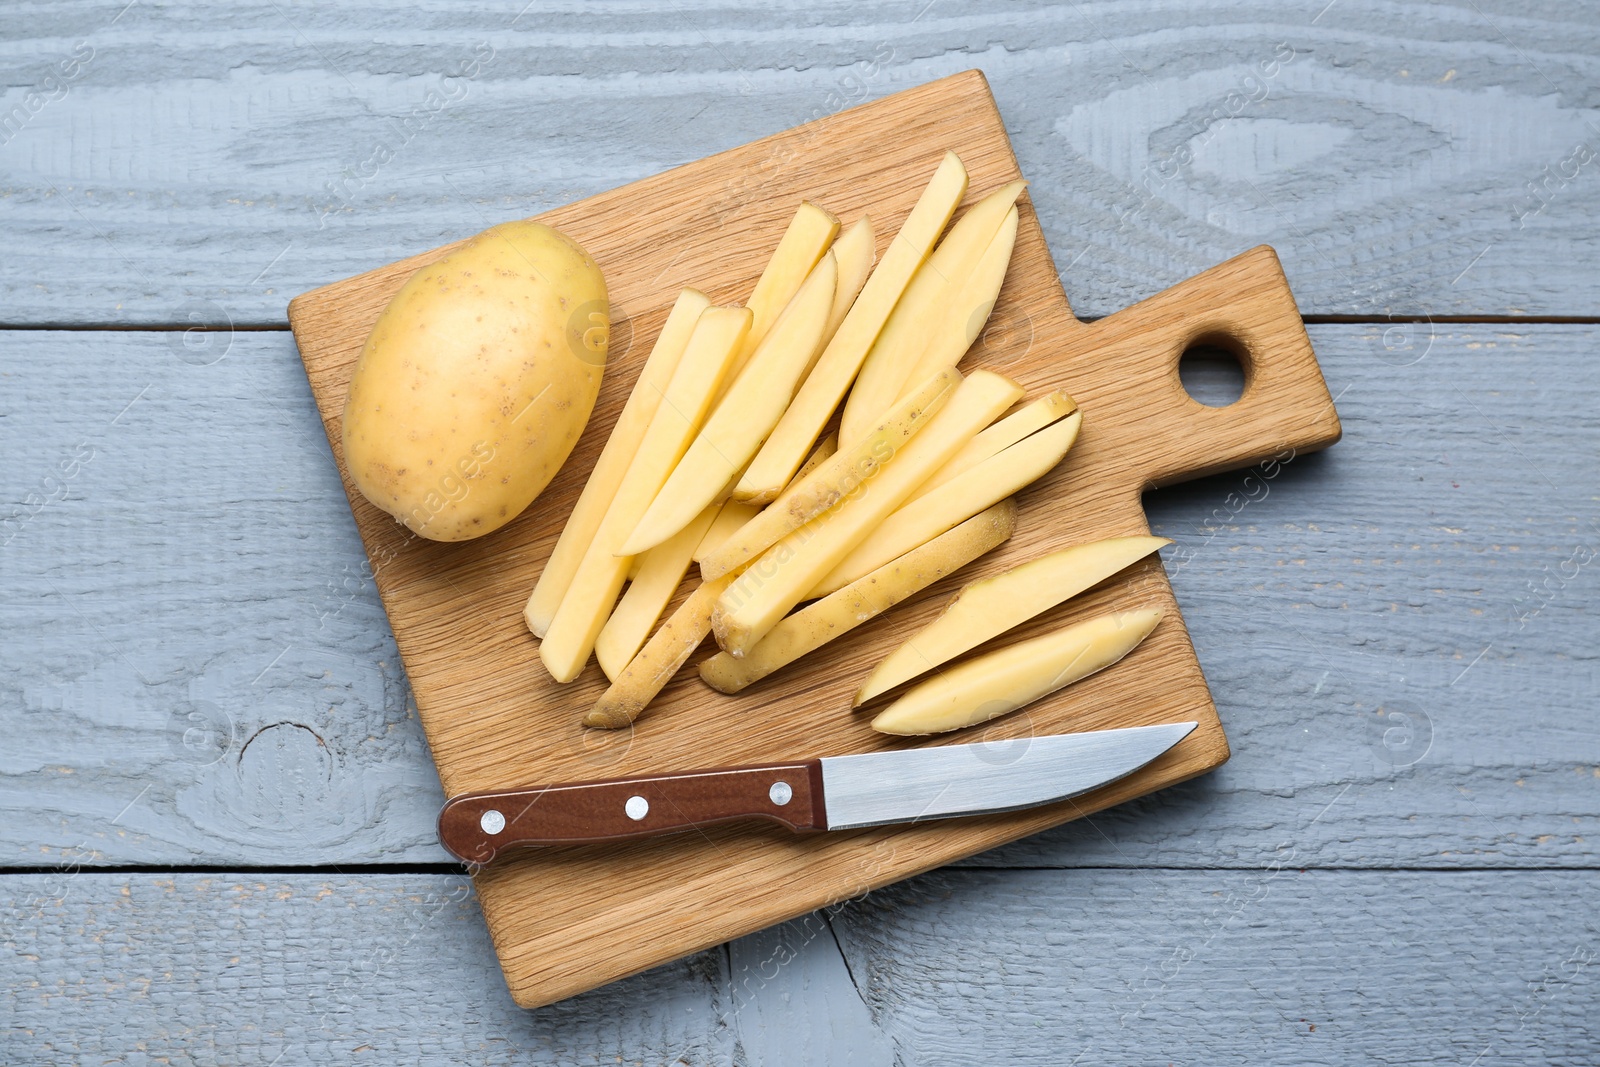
[(185, 627), (325, 969), (796, 973), (1417, 659), (491, 712), (184, 178), (207, 163), (208, 535), (1272, 965)]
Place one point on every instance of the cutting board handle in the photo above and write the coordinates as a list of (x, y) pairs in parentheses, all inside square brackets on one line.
[(1146, 431)]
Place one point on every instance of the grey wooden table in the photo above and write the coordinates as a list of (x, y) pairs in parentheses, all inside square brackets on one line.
[(217, 802)]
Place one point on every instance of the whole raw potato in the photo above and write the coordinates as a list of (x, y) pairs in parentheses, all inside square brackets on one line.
[(477, 380)]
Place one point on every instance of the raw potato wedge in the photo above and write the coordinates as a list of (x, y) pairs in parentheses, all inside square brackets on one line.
[(816, 624), (668, 649), (744, 416), (1002, 435), (991, 606), (727, 523), (825, 450), (1003, 681), (800, 248), (637, 691), (963, 496), (887, 371), (836, 479), (783, 576), (661, 570), (735, 515), (855, 252), (825, 386), (614, 459), (968, 308), (712, 348)]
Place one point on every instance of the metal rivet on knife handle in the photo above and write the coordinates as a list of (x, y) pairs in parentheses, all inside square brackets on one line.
[(477, 827)]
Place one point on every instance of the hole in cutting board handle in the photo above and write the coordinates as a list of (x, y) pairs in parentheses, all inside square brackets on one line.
[(1213, 370)]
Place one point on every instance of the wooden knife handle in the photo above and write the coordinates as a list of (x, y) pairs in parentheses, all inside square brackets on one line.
[(477, 827)]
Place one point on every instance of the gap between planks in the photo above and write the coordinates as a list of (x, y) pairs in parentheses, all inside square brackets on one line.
[(355, 870), (1309, 320)]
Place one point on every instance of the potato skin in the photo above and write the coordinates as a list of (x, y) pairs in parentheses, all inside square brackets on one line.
[(477, 380)]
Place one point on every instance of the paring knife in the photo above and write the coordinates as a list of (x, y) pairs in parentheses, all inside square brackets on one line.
[(831, 793)]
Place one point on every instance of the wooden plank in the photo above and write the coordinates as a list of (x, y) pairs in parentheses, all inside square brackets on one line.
[(1157, 966), (192, 632), (205, 164), (1272, 965), (1409, 627), (1372, 575), (795, 1003), (311, 969), (495, 718)]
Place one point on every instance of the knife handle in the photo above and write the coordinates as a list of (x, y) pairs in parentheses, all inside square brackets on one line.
[(476, 827)]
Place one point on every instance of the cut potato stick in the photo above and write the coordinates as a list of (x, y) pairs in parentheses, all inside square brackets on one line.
[(825, 386), (734, 514), (711, 350), (836, 479), (963, 496), (800, 248), (969, 306), (781, 577), (1002, 435), (886, 372), (825, 450), (668, 649), (730, 518), (991, 606), (833, 616), (620, 448), (659, 663), (1003, 681), (744, 416), (661, 570), (855, 252)]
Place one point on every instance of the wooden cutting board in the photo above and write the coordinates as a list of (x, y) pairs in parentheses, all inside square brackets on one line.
[(568, 919)]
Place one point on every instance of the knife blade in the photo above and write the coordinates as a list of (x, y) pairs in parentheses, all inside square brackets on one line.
[(829, 793)]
